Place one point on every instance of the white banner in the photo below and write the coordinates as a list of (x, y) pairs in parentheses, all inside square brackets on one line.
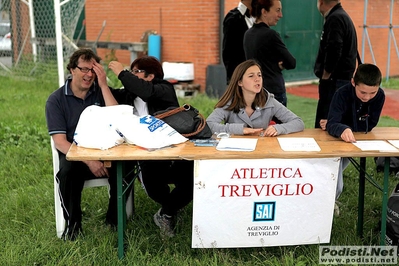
[(263, 202)]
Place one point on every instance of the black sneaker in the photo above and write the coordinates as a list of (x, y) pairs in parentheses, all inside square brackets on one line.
[(112, 223), (166, 223), (72, 232)]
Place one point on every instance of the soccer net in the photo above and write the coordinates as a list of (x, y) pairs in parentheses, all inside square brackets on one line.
[(33, 36)]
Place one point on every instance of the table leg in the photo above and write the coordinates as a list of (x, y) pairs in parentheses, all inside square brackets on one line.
[(384, 201), (362, 184), (121, 207)]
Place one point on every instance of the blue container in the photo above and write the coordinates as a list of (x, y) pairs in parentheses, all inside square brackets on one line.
[(154, 46)]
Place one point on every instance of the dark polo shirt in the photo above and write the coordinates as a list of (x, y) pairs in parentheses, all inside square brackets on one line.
[(63, 109)]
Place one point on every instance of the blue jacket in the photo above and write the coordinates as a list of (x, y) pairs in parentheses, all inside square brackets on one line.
[(348, 111)]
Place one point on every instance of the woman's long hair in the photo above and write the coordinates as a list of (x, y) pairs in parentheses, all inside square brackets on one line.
[(234, 92)]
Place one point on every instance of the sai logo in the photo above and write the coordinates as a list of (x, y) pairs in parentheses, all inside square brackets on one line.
[(264, 211)]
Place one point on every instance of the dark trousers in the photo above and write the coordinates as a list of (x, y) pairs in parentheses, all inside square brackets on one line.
[(327, 88), (282, 98), (71, 178), (156, 177)]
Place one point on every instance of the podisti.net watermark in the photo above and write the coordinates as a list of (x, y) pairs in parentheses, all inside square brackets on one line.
[(383, 255)]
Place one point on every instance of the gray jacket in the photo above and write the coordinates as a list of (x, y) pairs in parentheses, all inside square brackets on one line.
[(221, 120)]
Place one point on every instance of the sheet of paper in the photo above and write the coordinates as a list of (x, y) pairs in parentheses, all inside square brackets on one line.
[(237, 144), (298, 144), (374, 145), (394, 143)]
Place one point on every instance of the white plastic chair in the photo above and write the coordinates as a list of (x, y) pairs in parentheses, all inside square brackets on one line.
[(98, 182)]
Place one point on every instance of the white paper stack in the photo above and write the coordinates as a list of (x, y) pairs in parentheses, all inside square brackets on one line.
[(237, 144), (298, 144)]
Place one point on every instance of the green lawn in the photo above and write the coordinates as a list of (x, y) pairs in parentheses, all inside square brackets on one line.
[(27, 228), (392, 83)]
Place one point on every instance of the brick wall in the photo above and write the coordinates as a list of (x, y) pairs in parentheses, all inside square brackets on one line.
[(377, 14), (190, 29)]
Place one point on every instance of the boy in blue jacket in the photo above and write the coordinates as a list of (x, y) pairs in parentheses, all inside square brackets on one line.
[(355, 107)]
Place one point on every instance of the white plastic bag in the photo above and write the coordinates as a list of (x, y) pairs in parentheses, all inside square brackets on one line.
[(150, 133), (97, 126), (106, 127)]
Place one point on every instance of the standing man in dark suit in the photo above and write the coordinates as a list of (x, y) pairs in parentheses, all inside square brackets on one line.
[(235, 24), (336, 59)]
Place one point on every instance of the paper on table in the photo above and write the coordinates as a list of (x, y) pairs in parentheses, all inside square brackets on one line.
[(374, 145), (237, 144), (298, 144), (394, 143)]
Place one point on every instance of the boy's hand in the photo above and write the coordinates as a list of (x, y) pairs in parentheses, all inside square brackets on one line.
[(348, 136), (323, 124)]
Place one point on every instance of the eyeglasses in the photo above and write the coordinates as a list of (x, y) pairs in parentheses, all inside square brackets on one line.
[(135, 71), (86, 69)]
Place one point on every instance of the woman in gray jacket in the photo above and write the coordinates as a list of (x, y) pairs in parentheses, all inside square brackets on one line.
[(246, 108)]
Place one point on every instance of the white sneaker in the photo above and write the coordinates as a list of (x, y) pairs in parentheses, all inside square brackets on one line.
[(166, 223), (336, 209)]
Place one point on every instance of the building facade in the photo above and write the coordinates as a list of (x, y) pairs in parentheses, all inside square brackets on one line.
[(191, 30)]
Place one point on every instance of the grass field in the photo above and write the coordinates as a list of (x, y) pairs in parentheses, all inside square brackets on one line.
[(27, 229)]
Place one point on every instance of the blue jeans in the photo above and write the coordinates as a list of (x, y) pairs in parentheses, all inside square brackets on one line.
[(282, 98)]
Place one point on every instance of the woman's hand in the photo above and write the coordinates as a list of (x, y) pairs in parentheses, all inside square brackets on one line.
[(252, 131), (270, 131), (116, 67)]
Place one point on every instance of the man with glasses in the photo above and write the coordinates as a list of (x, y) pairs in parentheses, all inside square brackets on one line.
[(86, 86), (148, 92)]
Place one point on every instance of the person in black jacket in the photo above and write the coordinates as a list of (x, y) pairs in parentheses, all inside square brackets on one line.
[(148, 92), (235, 24), (336, 58), (356, 107), (144, 85), (266, 46)]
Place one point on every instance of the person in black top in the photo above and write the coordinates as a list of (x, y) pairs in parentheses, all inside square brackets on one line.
[(148, 92), (266, 46), (336, 58), (235, 24), (355, 107)]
